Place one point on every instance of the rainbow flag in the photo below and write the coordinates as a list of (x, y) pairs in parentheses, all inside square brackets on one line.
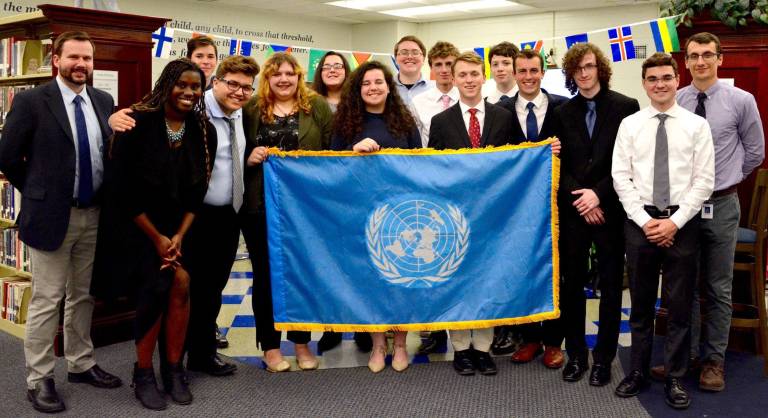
[(665, 35), (483, 53)]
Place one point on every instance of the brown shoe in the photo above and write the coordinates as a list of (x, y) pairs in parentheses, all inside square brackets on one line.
[(712, 377), (553, 357), (526, 353), (658, 373)]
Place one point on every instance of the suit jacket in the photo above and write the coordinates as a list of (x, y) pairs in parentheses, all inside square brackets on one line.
[(548, 126), (314, 134), (447, 130), (586, 162), (37, 155)]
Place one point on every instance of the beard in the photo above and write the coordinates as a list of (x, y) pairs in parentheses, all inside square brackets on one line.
[(70, 73)]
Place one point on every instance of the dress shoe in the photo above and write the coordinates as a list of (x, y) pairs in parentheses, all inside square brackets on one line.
[(574, 370), (484, 363), (553, 357), (400, 353), (213, 366), (631, 385), (44, 397), (600, 375), (659, 373), (712, 377), (328, 341), (175, 383), (504, 342), (436, 343), (675, 394), (526, 353), (145, 389), (95, 377), (376, 361), (462, 362), (363, 341), (221, 339)]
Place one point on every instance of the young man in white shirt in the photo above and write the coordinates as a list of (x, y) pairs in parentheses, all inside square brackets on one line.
[(444, 95), (663, 170), (502, 58), (409, 56)]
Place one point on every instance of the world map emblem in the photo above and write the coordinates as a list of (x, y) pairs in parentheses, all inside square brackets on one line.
[(417, 243)]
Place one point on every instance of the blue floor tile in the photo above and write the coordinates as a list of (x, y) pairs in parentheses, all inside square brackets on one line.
[(232, 299), (244, 321), (241, 275)]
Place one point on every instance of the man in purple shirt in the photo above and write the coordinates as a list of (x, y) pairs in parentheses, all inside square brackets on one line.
[(737, 133)]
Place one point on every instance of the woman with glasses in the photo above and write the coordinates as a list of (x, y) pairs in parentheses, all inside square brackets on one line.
[(372, 116), (287, 115)]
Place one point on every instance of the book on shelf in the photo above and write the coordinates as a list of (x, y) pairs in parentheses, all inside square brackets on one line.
[(24, 57), (7, 94), (10, 201), (15, 294), (14, 253)]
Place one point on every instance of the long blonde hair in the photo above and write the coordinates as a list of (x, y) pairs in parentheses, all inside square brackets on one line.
[(266, 98)]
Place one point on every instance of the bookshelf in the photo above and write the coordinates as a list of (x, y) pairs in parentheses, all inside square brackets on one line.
[(123, 43)]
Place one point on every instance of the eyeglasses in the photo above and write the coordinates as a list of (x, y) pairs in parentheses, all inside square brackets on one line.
[(707, 56), (409, 53), (586, 68), (234, 86), (666, 79), (329, 67)]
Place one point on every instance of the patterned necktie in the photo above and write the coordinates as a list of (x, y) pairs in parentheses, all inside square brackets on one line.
[(446, 101), (85, 178), (237, 172), (700, 109), (591, 116), (531, 127), (661, 166), (474, 128)]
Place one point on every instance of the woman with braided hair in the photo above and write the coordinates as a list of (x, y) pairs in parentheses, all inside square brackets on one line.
[(156, 177)]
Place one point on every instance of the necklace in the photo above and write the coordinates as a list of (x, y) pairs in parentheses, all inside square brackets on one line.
[(174, 136), (283, 111)]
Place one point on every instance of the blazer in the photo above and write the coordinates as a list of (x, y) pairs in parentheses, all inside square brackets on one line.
[(548, 126), (37, 155), (315, 131), (447, 129), (586, 162)]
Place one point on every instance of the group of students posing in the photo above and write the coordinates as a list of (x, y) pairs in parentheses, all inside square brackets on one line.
[(182, 178)]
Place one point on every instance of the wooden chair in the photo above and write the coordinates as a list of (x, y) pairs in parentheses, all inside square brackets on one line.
[(750, 257)]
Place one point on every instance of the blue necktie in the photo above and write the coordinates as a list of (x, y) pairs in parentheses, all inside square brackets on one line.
[(591, 116), (85, 182), (531, 126)]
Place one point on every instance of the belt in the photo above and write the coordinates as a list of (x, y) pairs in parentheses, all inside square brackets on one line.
[(657, 213), (724, 192)]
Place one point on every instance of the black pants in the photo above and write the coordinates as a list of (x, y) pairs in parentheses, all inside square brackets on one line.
[(209, 250), (576, 240), (679, 267), (549, 333), (255, 233)]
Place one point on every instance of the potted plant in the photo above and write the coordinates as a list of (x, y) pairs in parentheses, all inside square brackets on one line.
[(733, 13)]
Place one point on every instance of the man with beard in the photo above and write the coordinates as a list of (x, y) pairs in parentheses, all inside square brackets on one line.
[(52, 151)]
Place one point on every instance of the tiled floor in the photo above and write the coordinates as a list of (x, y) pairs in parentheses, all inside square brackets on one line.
[(237, 322)]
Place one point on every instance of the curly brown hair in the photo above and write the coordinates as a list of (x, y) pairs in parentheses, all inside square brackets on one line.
[(573, 58), (442, 49), (348, 122), (266, 99)]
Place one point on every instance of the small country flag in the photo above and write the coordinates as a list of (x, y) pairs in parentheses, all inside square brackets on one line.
[(622, 46), (534, 45), (665, 35), (163, 42), (575, 39), (240, 47)]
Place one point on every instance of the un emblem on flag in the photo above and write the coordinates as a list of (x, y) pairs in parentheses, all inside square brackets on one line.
[(417, 242)]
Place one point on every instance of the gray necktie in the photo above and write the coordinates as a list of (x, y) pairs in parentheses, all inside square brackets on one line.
[(590, 117), (661, 166), (237, 171)]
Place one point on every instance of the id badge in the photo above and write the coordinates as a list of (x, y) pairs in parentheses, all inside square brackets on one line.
[(707, 211)]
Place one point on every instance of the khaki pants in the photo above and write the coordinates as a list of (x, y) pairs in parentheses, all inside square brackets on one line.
[(480, 339), (63, 274)]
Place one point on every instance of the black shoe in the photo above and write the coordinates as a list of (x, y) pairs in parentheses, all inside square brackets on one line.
[(600, 375), (328, 341), (44, 397), (675, 394), (462, 362), (221, 339), (484, 363), (631, 385), (574, 370), (363, 341), (145, 389), (175, 383), (96, 377), (436, 343), (504, 342), (213, 366)]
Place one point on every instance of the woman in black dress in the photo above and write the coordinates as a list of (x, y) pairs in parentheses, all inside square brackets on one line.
[(156, 177)]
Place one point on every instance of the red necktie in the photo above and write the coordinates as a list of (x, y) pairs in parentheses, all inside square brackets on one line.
[(474, 128)]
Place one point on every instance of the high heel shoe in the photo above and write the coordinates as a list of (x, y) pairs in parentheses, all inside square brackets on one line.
[(399, 365), (376, 365)]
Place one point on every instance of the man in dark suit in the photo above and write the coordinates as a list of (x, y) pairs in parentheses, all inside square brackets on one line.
[(52, 151), (533, 120), (590, 211), (471, 123)]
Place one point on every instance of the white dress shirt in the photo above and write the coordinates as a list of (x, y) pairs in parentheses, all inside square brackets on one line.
[(429, 104), (220, 187), (540, 103), (494, 96), (691, 163), (480, 114)]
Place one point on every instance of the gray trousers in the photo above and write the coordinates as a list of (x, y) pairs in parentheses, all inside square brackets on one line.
[(480, 339), (63, 274), (711, 318)]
